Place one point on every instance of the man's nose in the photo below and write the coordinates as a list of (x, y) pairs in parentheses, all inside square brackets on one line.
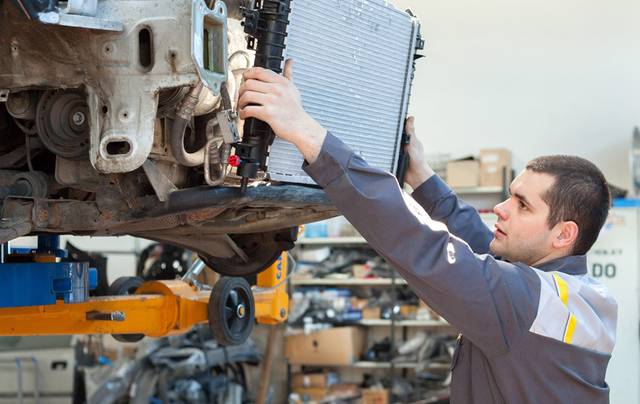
[(501, 210)]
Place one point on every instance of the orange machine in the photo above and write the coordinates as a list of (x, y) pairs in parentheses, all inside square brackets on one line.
[(159, 308)]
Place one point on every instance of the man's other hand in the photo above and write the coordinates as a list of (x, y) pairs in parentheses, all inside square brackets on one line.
[(418, 170), (274, 99)]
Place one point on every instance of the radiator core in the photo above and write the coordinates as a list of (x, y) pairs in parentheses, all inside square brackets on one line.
[(353, 65)]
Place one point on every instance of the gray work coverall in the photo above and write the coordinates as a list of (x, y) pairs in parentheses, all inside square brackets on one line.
[(531, 335)]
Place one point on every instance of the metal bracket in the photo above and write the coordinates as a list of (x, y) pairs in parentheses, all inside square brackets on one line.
[(209, 43), (82, 7), (227, 124), (250, 22), (193, 271), (420, 43), (160, 183), (80, 21)]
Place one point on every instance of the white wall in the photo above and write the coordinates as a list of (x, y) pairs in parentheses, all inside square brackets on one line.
[(538, 77)]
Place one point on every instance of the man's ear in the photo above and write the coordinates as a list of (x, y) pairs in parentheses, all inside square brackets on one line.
[(567, 234)]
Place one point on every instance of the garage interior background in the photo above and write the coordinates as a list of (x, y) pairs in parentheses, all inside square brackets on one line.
[(536, 77)]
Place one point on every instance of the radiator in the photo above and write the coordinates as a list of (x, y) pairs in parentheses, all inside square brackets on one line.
[(353, 67)]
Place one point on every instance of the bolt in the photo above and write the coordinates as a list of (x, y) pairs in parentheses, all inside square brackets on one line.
[(42, 215), (106, 316), (283, 313), (117, 316), (78, 118), (240, 311)]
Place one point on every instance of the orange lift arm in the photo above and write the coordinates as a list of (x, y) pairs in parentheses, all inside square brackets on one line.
[(160, 308)]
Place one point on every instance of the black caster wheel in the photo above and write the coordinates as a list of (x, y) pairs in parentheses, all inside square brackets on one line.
[(124, 286), (231, 311)]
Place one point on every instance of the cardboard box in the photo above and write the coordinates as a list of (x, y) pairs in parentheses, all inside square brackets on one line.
[(371, 313), (328, 394), (375, 396), (321, 379), (333, 346), (492, 165), (312, 394), (408, 310), (463, 173), (359, 304), (344, 391)]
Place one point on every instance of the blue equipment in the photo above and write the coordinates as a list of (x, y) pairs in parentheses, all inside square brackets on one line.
[(36, 277)]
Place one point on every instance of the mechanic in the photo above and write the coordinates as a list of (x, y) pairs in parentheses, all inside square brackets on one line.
[(537, 328)]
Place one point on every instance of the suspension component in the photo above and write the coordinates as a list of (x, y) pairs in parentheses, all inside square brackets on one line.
[(30, 184)]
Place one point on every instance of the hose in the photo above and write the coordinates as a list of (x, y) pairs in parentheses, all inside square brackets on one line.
[(216, 156), (179, 126), (178, 129)]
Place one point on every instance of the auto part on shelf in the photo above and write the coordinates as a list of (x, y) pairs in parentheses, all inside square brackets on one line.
[(191, 368)]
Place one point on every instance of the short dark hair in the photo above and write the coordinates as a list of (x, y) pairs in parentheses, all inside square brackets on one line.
[(580, 193)]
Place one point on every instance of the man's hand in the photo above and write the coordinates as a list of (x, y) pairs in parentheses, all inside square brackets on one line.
[(274, 99), (418, 170)]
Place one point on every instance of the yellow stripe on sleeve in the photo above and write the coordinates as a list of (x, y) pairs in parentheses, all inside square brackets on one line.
[(563, 289), (571, 326)]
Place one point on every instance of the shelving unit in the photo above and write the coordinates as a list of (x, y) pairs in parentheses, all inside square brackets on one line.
[(404, 323), (331, 240), (477, 190), (399, 365), (345, 282), (396, 327)]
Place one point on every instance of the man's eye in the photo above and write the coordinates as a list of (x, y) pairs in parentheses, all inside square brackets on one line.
[(522, 205)]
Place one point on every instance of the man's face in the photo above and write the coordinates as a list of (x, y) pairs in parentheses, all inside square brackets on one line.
[(522, 233)]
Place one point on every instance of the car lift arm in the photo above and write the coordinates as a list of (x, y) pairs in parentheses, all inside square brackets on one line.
[(158, 308)]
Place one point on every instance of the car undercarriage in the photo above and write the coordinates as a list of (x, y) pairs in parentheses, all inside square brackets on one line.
[(118, 117), (90, 143)]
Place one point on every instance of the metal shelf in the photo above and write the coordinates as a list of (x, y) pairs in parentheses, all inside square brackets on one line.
[(399, 365), (331, 240), (382, 365), (478, 190), (345, 282), (404, 323)]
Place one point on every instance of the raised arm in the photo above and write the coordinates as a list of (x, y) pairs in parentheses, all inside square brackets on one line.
[(439, 201)]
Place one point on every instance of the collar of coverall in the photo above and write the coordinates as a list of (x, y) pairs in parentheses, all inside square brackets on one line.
[(572, 265)]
